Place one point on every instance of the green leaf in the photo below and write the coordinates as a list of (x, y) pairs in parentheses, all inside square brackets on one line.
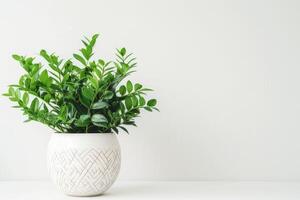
[(137, 86), (13, 99), (63, 113), (99, 120), (101, 62), (17, 94), (151, 102), (115, 130), (44, 78), (25, 98), (95, 36), (148, 109), (123, 51), (129, 123), (47, 97), (142, 101), (45, 55), (84, 101), (88, 93), (11, 91), (21, 80), (94, 39), (129, 86), (122, 90), (83, 121), (156, 109), (135, 101), (45, 108), (99, 105), (128, 103), (94, 82), (146, 90), (84, 42), (123, 128), (17, 57), (27, 83), (122, 108), (80, 59), (54, 68), (85, 54), (34, 105), (108, 95), (34, 70)]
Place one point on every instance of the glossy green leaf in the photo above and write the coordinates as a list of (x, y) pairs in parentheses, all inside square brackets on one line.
[(94, 39), (148, 109), (44, 78), (94, 82), (142, 101), (151, 102), (128, 103), (34, 105), (88, 93), (115, 129), (45, 55), (84, 101), (47, 97), (46, 108), (99, 120), (137, 86), (122, 90), (108, 95), (83, 121), (129, 86), (80, 59), (99, 105), (11, 91), (101, 62), (17, 57), (124, 129), (135, 101), (123, 51), (25, 98)]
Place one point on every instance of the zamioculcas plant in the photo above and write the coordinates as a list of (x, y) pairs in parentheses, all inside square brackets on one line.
[(85, 96)]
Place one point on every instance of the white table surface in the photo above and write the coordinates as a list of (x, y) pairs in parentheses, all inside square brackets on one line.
[(42, 190)]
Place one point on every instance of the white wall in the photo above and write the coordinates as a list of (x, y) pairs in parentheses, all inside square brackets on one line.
[(226, 74)]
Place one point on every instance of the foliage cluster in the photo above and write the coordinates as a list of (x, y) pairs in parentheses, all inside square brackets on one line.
[(85, 96)]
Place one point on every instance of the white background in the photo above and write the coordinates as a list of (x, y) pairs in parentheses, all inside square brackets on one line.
[(226, 74)]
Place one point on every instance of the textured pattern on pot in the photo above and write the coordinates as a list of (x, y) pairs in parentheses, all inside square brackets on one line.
[(83, 164)]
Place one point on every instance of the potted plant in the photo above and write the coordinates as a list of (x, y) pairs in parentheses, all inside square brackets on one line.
[(85, 101)]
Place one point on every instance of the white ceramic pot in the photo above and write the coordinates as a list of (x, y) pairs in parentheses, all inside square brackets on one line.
[(84, 164)]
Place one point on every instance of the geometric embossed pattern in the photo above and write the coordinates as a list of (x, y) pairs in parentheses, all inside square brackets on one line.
[(84, 172)]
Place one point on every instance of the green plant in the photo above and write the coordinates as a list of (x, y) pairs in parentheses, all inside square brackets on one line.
[(85, 97)]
